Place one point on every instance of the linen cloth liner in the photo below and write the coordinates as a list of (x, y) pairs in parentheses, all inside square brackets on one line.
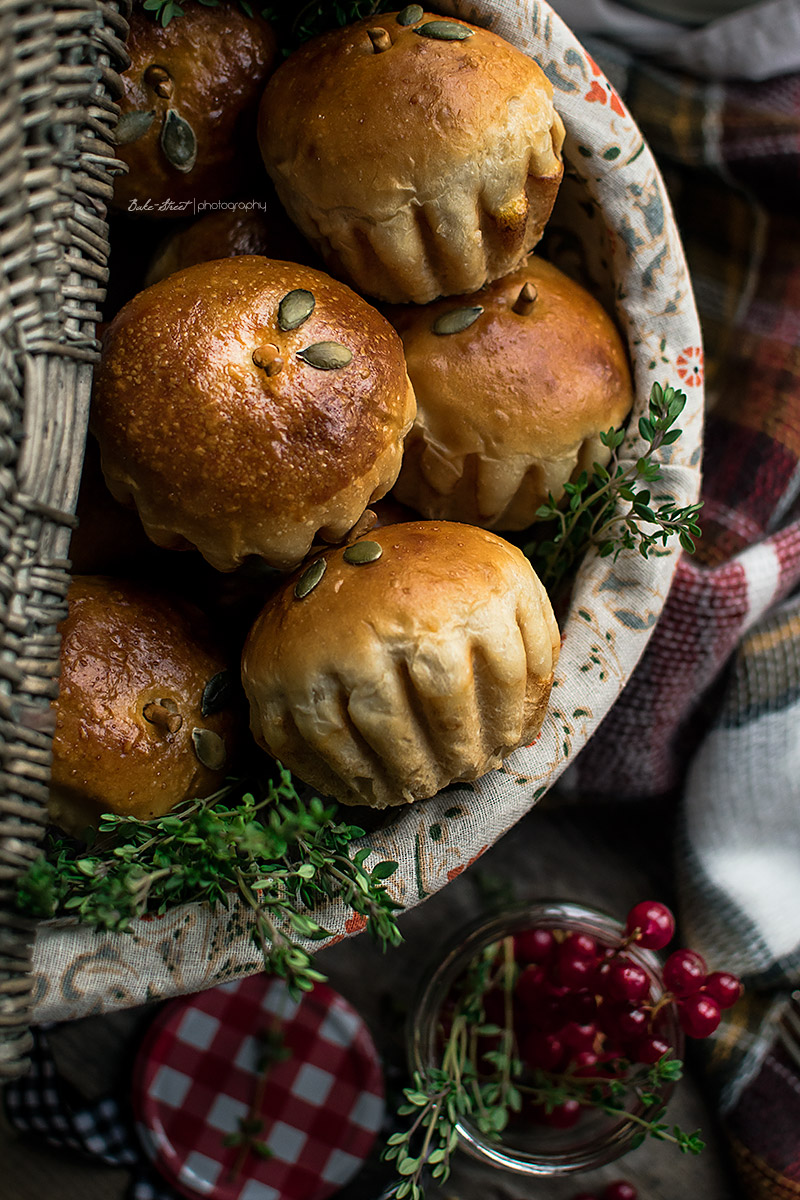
[(629, 235), (721, 676)]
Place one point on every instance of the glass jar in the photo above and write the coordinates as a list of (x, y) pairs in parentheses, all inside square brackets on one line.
[(533, 1149)]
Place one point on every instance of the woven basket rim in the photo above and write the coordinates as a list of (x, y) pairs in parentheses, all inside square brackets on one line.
[(97, 966)]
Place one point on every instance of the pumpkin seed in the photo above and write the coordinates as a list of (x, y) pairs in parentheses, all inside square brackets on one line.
[(310, 578), (380, 40), (444, 31), (209, 748), (160, 80), (268, 359), (295, 308), (217, 694), (164, 714), (178, 142), (455, 320), (133, 125), (326, 356), (410, 15), (525, 301), (362, 552)]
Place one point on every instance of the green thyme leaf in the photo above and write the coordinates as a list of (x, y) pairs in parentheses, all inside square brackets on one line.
[(283, 857), (593, 513)]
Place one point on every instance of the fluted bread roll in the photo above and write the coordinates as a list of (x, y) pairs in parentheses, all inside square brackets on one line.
[(391, 677), (514, 385), (247, 406), (420, 156), (145, 715)]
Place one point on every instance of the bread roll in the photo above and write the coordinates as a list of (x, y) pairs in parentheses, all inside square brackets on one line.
[(514, 386), (239, 436), (427, 663), (227, 234), (421, 159), (144, 716), (188, 110)]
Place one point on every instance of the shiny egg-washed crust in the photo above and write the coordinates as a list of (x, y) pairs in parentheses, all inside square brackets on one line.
[(218, 59), (421, 171), (124, 646), (512, 407), (390, 680), (217, 453)]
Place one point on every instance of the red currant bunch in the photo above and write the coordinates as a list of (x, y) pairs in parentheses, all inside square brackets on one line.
[(586, 1009), (700, 996)]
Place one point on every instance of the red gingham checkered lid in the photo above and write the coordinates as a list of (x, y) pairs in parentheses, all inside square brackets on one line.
[(197, 1076)]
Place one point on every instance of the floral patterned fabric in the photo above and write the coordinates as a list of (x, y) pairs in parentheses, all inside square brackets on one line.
[(613, 223)]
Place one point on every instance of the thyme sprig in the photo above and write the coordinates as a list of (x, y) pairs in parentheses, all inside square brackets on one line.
[(283, 856), (488, 1088), (247, 1136), (295, 24), (595, 512), (300, 22), (163, 11)]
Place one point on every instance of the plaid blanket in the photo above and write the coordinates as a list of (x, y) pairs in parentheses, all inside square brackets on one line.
[(712, 713)]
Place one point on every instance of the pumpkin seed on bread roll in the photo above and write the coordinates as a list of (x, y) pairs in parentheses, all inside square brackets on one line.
[(514, 385), (188, 110), (420, 655), (145, 715), (420, 156), (248, 406)]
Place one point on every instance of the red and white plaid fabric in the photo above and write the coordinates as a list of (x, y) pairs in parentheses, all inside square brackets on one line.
[(197, 1074)]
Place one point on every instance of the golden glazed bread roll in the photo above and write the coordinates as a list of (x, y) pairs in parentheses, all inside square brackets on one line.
[(423, 654), (189, 107), (144, 716), (246, 406), (227, 234), (420, 156), (514, 386)]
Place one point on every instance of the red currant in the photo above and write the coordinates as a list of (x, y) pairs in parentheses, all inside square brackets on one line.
[(654, 922), (585, 1062), (534, 945), (620, 1189), (574, 971), (684, 972), (582, 945), (542, 1012), (723, 987), (563, 1116), (624, 1022), (649, 1050), (699, 1015), (581, 1007), (530, 988), (542, 1050), (624, 981), (579, 1037)]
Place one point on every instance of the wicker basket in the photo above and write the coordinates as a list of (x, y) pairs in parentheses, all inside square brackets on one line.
[(613, 214), (57, 83)]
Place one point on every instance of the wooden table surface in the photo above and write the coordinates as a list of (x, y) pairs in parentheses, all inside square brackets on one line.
[(610, 857)]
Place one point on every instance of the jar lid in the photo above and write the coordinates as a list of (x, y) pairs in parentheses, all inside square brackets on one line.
[(319, 1104)]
